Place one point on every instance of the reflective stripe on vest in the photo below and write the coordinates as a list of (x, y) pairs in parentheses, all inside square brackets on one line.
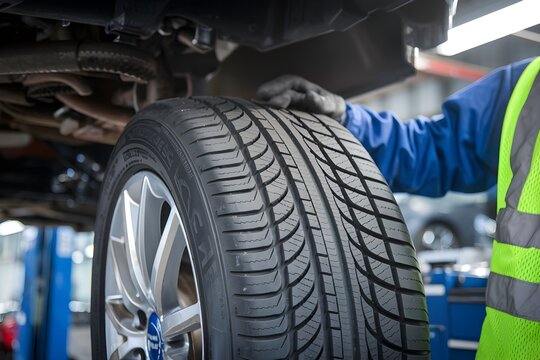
[(511, 329), (518, 299)]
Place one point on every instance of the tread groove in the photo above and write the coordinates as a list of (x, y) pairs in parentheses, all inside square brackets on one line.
[(325, 200)]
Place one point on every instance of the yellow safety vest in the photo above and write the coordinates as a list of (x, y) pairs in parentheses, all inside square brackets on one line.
[(511, 329)]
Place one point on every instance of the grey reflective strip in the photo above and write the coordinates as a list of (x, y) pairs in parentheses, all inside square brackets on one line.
[(515, 297), (517, 228), (525, 135), (463, 344)]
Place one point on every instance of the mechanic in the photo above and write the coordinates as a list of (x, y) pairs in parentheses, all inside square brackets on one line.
[(490, 126)]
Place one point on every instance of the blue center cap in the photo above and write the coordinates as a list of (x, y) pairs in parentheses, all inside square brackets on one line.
[(154, 341)]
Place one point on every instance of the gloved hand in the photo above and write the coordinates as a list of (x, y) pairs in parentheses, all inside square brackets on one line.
[(296, 92)]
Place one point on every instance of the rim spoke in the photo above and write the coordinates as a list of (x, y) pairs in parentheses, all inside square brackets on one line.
[(181, 321), (132, 345), (131, 216), (131, 297), (166, 266), (120, 317), (148, 227)]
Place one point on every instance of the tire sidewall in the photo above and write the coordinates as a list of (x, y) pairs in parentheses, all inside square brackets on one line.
[(151, 146)]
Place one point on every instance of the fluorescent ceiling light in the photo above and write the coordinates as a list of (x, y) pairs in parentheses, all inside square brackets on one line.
[(493, 26), (11, 227)]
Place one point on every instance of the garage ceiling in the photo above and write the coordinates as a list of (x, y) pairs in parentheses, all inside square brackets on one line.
[(502, 51)]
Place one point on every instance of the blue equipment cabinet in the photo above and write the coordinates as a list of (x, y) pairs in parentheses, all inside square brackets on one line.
[(27, 317), (456, 307), (45, 317)]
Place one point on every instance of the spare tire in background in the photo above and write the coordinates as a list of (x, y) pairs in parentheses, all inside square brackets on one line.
[(294, 245)]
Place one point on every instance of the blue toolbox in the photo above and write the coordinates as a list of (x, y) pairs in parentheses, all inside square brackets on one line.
[(456, 307)]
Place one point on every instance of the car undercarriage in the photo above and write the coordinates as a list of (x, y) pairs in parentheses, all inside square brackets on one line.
[(72, 74)]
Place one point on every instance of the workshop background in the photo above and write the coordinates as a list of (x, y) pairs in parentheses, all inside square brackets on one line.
[(453, 234)]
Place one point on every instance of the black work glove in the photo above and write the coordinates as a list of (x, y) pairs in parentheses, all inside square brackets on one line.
[(296, 92)]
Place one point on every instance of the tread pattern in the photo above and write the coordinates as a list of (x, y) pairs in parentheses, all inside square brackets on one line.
[(320, 264)]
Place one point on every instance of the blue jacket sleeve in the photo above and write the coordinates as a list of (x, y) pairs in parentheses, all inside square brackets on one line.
[(457, 150)]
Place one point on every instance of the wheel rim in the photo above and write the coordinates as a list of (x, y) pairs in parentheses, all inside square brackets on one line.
[(151, 296), (438, 237)]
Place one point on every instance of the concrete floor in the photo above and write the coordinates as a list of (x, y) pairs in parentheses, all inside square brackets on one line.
[(79, 347)]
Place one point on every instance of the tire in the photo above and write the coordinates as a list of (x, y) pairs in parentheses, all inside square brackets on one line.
[(298, 247)]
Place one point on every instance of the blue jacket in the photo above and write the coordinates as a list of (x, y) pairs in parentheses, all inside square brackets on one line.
[(457, 150)]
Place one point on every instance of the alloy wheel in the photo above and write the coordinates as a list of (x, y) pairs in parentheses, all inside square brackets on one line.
[(151, 298)]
